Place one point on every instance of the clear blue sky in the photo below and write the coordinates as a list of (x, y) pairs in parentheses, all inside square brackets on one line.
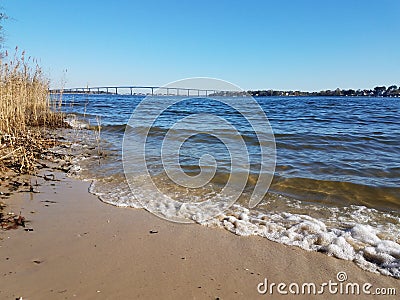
[(282, 44)]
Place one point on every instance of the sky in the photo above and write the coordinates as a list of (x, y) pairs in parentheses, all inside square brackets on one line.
[(282, 44)]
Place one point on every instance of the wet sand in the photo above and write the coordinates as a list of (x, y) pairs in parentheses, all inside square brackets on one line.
[(81, 248)]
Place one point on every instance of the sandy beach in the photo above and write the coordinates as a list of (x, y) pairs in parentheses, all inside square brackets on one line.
[(81, 248)]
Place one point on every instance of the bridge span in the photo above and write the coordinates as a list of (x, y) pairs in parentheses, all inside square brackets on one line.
[(139, 90)]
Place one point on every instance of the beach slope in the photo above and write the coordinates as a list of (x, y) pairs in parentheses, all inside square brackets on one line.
[(81, 248)]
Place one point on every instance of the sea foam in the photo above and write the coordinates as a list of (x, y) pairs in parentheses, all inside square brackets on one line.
[(356, 242)]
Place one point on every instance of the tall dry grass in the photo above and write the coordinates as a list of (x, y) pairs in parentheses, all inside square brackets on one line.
[(26, 112)]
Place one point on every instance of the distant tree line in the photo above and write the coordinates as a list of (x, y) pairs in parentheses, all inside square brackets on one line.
[(378, 91)]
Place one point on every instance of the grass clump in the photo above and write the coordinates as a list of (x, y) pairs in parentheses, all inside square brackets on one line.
[(26, 113)]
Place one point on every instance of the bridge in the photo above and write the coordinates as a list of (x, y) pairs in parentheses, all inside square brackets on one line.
[(133, 90)]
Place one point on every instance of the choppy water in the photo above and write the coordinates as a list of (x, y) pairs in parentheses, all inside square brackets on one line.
[(336, 187)]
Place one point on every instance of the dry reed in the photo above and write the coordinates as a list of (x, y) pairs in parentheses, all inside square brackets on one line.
[(26, 113)]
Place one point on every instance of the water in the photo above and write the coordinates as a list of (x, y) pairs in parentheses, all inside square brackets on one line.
[(336, 187)]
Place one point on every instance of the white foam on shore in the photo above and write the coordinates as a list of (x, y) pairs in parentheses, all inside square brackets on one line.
[(360, 243), (108, 192), (73, 121)]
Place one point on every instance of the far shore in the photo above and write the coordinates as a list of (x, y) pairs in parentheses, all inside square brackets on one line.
[(392, 91), (77, 247)]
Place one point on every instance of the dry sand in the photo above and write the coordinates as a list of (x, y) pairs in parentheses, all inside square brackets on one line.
[(81, 248)]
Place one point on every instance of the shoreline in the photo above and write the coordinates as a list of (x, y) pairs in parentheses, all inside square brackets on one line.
[(82, 248)]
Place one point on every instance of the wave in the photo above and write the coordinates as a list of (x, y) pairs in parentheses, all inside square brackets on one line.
[(336, 193), (114, 128)]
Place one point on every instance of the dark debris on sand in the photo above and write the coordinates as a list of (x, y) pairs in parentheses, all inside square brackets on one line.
[(10, 220), (15, 179)]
